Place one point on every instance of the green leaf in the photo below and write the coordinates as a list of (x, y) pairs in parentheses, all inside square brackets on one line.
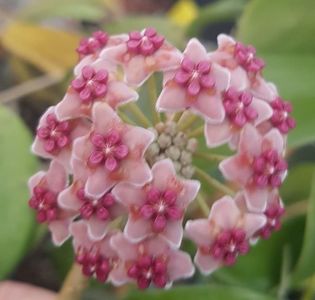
[(293, 75), (281, 26), (200, 292), (306, 264), (75, 9), (261, 267), (16, 165), (170, 30)]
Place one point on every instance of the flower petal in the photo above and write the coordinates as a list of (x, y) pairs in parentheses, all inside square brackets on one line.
[(137, 139), (273, 140), (263, 109), (69, 107), (172, 99), (35, 180), (163, 172), (98, 183), (67, 199), (173, 233), (180, 265), (250, 141), (137, 172), (119, 93), (60, 231), (129, 195), (125, 250), (97, 229), (252, 223), (195, 51), (136, 71), (218, 134), (205, 263), (199, 231), (56, 177), (137, 229), (222, 77), (256, 199)]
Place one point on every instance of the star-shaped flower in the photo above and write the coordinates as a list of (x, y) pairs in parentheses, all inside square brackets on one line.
[(223, 236), (112, 152), (197, 84), (159, 206), (258, 166), (151, 261)]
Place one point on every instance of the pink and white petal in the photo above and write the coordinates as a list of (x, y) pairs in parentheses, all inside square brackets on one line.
[(252, 223), (119, 93), (80, 235), (199, 231), (156, 246), (167, 59), (137, 229), (167, 76), (225, 213), (236, 169), (105, 247), (69, 107), (262, 90), (163, 172), (239, 79), (35, 180), (263, 109), (128, 194), (136, 71), (173, 233), (189, 192), (234, 141), (195, 51), (38, 148), (274, 140), (114, 53), (172, 99), (104, 117), (67, 199), (256, 199), (104, 64), (86, 61), (205, 263), (82, 128), (137, 138), (64, 158), (59, 231), (97, 229), (222, 77), (218, 134), (250, 141), (136, 172), (82, 148), (56, 177), (240, 201), (225, 40), (209, 107), (98, 183), (118, 275), (80, 170), (180, 265), (124, 248)]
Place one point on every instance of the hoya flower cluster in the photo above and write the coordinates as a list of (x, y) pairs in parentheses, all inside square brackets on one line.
[(122, 191)]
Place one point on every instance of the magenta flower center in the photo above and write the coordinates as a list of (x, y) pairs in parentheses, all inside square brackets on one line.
[(101, 208), (160, 207), (238, 107), (92, 44), (281, 118), (108, 150), (44, 202), (148, 269), (246, 57), (91, 85), (144, 43), (269, 169), (54, 134), (274, 212), (94, 264), (228, 245), (194, 76)]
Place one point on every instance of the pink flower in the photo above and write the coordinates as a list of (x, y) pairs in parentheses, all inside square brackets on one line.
[(281, 118), (44, 188), (143, 53), (54, 138), (223, 236), (240, 108), (151, 261), (196, 84), (96, 257), (244, 66), (97, 212), (112, 152), (96, 83), (159, 206), (258, 166)]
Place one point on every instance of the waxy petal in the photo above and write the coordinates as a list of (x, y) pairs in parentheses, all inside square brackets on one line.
[(218, 134)]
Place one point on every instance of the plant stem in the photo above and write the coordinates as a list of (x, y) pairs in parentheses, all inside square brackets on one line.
[(210, 156), (176, 116), (125, 118), (203, 204), (74, 284), (310, 289), (144, 121), (196, 132), (186, 120), (295, 210), (213, 182), (151, 86)]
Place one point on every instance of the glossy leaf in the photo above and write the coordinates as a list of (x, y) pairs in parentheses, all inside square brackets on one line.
[(200, 292), (306, 263), (282, 26), (48, 49), (16, 165)]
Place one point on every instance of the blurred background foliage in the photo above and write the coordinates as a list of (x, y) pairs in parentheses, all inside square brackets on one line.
[(37, 43)]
